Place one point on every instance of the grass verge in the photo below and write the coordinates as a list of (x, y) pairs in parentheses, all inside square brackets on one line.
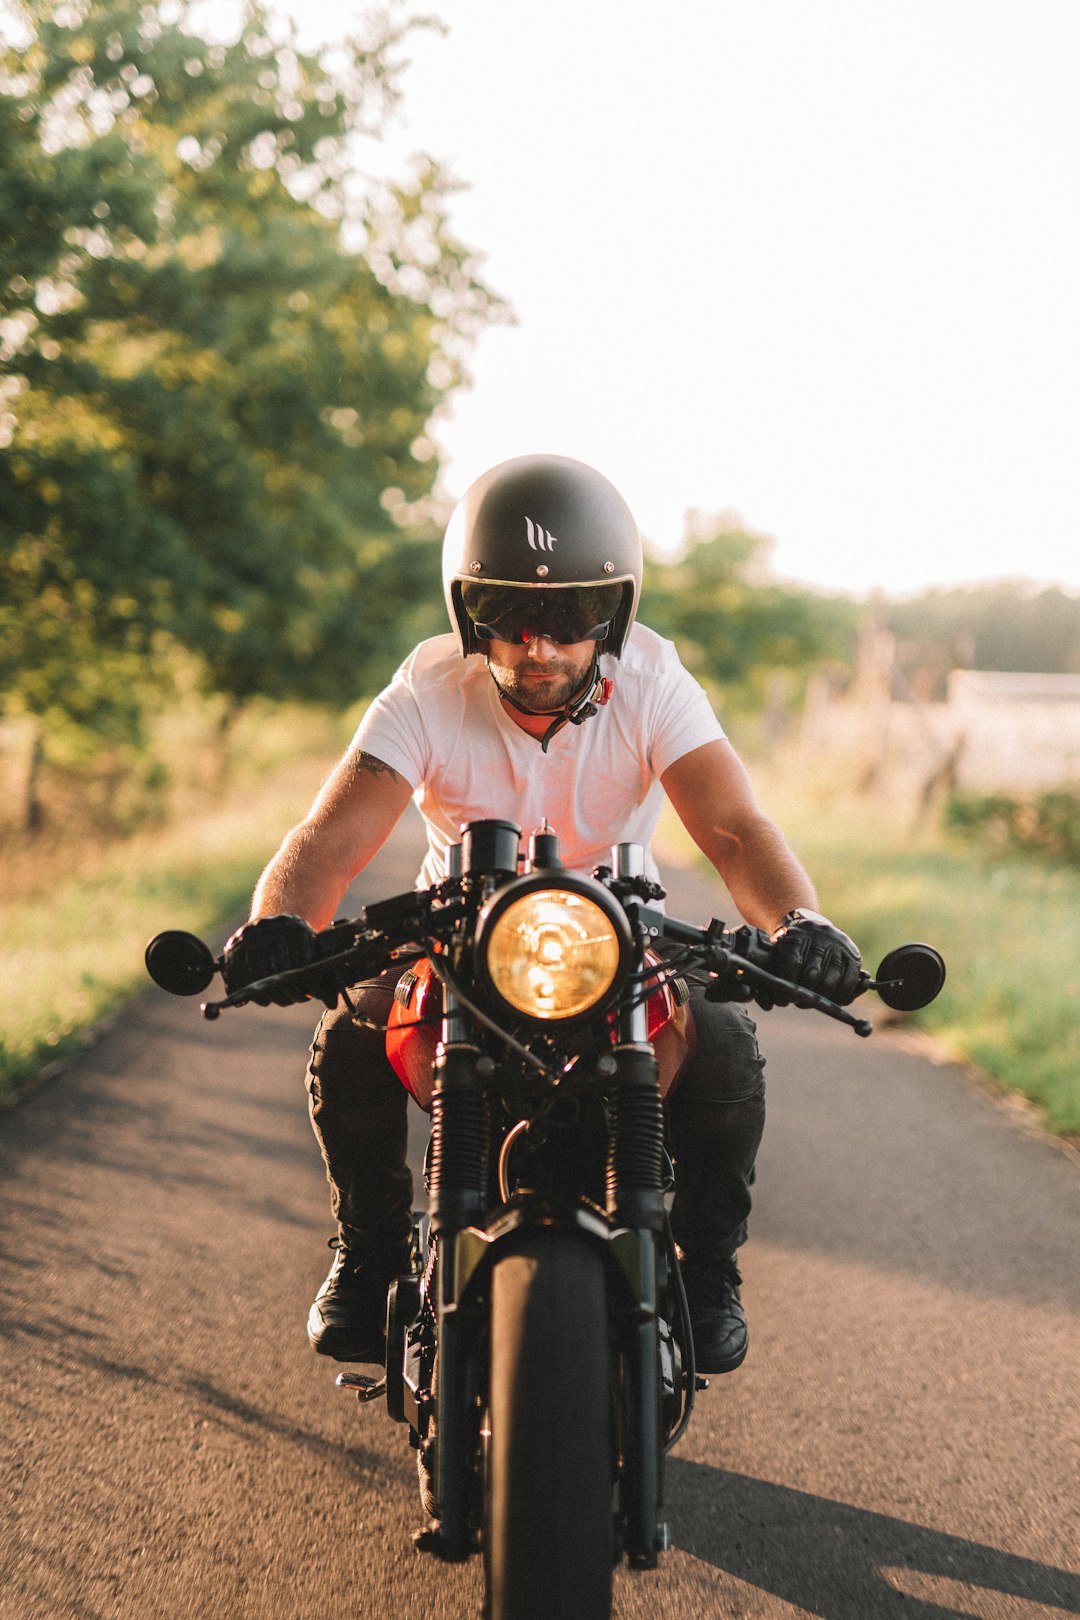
[(1009, 931), (74, 937)]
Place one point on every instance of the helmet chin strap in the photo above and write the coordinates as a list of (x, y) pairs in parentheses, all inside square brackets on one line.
[(586, 701)]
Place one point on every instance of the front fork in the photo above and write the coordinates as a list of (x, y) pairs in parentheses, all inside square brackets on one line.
[(457, 1197), (635, 1206)]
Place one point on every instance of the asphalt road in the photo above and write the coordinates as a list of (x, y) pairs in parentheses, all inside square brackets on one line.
[(902, 1441)]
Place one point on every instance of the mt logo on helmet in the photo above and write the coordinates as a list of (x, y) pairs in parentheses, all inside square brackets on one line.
[(538, 538)]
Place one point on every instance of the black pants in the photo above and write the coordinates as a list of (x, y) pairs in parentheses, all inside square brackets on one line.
[(359, 1113)]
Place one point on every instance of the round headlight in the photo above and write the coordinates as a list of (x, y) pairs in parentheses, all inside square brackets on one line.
[(553, 950)]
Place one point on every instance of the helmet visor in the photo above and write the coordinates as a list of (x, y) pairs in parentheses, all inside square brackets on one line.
[(518, 614)]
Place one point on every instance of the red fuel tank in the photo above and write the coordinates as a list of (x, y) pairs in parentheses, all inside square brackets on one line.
[(413, 1030)]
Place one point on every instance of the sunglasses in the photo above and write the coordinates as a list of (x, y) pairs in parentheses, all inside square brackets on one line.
[(516, 615)]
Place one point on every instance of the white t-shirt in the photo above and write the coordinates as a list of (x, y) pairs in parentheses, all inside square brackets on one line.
[(441, 725)]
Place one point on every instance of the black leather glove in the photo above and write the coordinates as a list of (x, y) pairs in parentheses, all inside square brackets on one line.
[(271, 945), (811, 952)]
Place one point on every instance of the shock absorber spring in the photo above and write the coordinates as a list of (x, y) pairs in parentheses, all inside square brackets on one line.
[(460, 1152), (635, 1163)]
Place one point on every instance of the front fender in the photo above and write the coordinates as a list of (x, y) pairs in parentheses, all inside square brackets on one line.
[(629, 1256)]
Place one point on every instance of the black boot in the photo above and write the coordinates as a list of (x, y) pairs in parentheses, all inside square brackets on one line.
[(348, 1318), (717, 1318)]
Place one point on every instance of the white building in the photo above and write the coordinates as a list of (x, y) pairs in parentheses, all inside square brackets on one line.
[(1014, 732)]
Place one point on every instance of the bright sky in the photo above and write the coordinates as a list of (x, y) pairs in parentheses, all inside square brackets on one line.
[(814, 260)]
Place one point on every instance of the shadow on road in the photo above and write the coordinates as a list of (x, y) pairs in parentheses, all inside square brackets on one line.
[(842, 1562)]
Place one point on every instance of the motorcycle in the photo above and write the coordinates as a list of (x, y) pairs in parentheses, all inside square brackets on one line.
[(539, 1349)]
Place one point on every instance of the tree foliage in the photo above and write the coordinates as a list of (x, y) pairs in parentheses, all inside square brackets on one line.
[(221, 353), (733, 622), (1001, 625)]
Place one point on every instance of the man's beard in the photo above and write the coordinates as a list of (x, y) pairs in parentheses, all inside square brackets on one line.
[(540, 697)]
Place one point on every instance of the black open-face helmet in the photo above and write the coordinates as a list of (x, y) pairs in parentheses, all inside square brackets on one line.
[(542, 545)]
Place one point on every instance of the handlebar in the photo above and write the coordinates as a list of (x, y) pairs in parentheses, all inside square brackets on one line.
[(737, 960)]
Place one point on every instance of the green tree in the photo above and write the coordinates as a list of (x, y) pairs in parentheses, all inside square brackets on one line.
[(1005, 624), (222, 355), (736, 624)]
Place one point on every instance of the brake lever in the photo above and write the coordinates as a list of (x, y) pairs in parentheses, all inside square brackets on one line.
[(212, 1010), (793, 994)]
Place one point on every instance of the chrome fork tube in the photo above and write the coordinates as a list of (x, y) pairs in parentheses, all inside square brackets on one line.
[(635, 1202), (457, 1196)]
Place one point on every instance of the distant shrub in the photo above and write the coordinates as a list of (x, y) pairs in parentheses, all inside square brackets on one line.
[(1044, 824)]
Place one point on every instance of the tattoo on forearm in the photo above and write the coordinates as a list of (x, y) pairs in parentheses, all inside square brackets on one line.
[(362, 763)]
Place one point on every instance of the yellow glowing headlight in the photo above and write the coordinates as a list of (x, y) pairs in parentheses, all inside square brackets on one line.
[(552, 952)]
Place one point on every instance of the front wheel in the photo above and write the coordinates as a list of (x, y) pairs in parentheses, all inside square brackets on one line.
[(549, 1543)]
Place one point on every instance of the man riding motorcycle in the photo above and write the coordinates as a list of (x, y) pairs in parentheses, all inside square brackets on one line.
[(547, 700)]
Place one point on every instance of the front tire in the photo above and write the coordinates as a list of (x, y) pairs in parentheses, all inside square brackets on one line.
[(549, 1543)]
